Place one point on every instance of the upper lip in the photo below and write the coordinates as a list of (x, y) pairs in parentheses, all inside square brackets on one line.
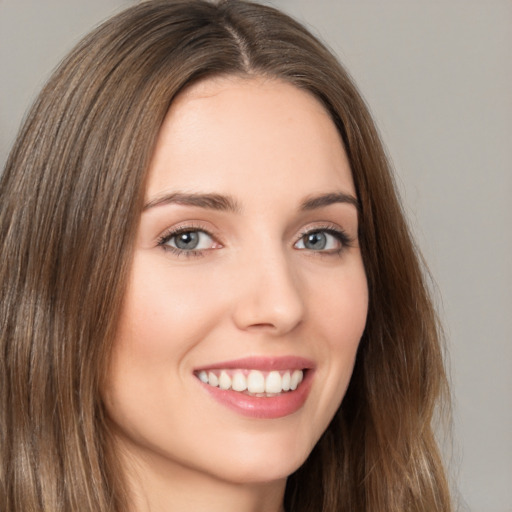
[(263, 363)]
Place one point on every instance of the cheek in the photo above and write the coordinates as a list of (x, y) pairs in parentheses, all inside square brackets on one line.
[(160, 315), (340, 309), (157, 330)]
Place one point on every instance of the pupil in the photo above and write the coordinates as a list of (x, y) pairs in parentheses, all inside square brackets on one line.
[(315, 241), (187, 240)]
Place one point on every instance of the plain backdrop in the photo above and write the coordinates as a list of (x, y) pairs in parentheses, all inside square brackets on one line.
[(438, 78)]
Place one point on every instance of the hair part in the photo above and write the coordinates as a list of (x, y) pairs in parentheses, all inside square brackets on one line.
[(71, 196)]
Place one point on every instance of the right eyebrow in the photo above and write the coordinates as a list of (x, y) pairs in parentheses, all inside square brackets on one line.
[(208, 201)]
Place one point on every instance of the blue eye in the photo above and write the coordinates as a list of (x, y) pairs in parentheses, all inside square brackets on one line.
[(187, 240), (326, 240)]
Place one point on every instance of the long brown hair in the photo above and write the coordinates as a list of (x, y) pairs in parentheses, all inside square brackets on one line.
[(70, 199)]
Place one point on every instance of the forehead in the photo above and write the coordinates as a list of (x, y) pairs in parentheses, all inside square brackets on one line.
[(230, 134)]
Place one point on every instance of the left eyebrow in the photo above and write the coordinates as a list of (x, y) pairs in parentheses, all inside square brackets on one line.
[(312, 203)]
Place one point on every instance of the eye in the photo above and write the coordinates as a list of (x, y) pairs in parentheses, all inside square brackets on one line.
[(187, 240), (325, 240)]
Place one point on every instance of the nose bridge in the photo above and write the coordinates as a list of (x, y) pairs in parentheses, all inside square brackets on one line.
[(270, 295)]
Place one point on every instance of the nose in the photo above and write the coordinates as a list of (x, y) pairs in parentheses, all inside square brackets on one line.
[(269, 295)]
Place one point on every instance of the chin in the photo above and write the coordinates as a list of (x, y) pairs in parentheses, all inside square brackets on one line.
[(259, 464)]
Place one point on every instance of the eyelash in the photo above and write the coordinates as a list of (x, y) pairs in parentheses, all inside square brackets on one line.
[(339, 234)]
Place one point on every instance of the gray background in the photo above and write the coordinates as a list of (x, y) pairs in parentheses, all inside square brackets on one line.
[(438, 77)]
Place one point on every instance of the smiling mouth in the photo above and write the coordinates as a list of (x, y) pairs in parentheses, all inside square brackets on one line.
[(253, 382)]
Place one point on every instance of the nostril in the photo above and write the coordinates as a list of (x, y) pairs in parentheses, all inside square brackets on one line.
[(262, 326)]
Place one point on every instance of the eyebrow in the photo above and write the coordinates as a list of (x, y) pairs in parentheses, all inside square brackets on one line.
[(322, 200), (209, 201)]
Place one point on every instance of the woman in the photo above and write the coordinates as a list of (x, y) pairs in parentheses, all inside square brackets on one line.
[(210, 298)]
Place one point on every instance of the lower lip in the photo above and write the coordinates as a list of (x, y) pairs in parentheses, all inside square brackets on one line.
[(263, 407)]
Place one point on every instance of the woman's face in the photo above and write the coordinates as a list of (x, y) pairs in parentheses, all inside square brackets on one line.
[(247, 273)]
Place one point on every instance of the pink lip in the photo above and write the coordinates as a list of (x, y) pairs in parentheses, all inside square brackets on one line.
[(263, 407), (262, 363)]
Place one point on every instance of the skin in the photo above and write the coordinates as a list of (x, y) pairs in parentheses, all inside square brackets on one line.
[(252, 289)]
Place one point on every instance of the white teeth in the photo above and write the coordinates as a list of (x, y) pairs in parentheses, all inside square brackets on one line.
[(286, 381), (213, 379), (239, 382), (273, 383), (254, 381), (296, 379), (224, 381)]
